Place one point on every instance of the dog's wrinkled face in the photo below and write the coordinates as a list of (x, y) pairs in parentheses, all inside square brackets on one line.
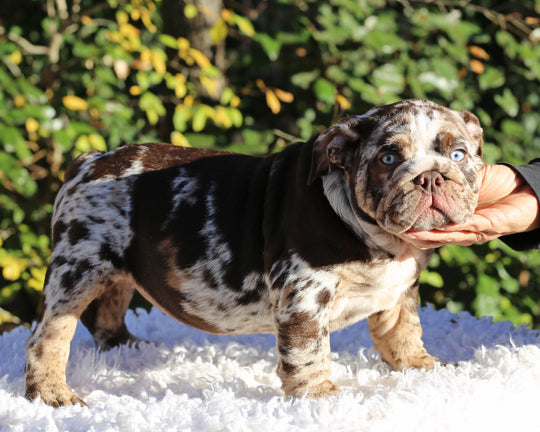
[(411, 165)]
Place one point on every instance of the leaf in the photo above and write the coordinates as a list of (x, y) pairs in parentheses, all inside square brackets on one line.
[(304, 79), (491, 78), (17, 175), (244, 25), (431, 278), (200, 117), (75, 103), (344, 104), (477, 66), (508, 102), (153, 107), (324, 90), (178, 139), (222, 118), (272, 101), (182, 115), (168, 40), (190, 11), (218, 32), (12, 267), (270, 45), (478, 52), (199, 58), (388, 79), (284, 95)]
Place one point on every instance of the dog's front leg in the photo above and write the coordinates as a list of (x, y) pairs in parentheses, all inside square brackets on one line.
[(397, 334), (303, 341)]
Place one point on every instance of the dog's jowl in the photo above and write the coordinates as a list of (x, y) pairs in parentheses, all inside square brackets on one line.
[(298, 244)]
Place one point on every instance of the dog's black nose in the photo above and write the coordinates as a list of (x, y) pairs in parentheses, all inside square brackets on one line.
[(429, 180)]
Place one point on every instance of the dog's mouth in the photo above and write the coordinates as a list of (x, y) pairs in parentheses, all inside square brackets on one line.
[(420, 211), (432, 211)]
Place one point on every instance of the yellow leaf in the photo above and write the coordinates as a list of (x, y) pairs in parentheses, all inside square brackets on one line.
[(235, 102), (218, 32), (222, 118), (244, 25), (19, 100), (135, 90), (74, 103), (210, 84), (32, 125), (37, 280), (477, 66), (159, 62), (190, 11), (82, 145), (478, 52), (86, 20), (180, 88), (226, 14), (183, 44), (284, 96), (129, 30), (122, 17), (16, 57), (12, 268), (97, 142), (272, 101), (344, 104), (178, 139), (199, 58)]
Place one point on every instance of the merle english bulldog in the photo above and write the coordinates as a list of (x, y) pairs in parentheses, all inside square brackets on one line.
[(299, 243)]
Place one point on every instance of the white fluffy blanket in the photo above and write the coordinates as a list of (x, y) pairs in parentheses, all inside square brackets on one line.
[(190, 381)]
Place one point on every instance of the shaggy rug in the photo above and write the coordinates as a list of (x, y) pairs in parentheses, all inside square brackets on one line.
[(187, 380)]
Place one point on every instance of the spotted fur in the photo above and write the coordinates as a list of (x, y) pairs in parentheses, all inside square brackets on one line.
[(298, 244)]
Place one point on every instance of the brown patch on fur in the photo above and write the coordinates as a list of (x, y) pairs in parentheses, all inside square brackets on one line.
[(175, 280), (297, 330)]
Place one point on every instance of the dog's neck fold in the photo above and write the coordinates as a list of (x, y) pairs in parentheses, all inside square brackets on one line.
[(338, 194)]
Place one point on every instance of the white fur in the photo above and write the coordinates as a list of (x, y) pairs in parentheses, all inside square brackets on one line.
[(191, 381)]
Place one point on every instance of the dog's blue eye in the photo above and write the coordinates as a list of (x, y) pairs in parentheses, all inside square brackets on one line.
[(389, 159), (457, 155)]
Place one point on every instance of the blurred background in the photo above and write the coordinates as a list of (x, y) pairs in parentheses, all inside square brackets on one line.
[(253, 76)]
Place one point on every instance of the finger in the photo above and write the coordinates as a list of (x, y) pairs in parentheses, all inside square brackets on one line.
[(479, 223), (432, 239)]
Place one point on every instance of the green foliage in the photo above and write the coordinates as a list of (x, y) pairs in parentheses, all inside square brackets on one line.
[(97, 75)]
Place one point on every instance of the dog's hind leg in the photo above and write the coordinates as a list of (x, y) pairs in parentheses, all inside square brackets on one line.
[(104, 316), (70, 285)]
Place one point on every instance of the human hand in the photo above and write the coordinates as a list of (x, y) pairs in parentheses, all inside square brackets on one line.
[(506, 205)]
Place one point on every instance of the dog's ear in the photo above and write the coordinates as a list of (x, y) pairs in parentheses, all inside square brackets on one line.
[(328, 149), (336, 146), (473, 128)]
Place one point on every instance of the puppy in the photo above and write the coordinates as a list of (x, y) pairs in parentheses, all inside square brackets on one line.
[(299, 243)]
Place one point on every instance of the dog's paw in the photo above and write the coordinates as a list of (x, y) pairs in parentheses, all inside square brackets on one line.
[(419, 360), (55, 396), (315, 391), (325, 389)]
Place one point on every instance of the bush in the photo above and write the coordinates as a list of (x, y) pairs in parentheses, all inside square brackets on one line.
[(95, 76)]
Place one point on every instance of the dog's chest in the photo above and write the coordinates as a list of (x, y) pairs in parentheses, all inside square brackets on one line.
[(366, 288)]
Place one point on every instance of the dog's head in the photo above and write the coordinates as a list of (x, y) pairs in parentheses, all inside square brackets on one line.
[(409, 165)]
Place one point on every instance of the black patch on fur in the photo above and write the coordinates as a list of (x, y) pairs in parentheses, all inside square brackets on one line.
[(107, 254), (58, 229), (77, 231), (72, 277)]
